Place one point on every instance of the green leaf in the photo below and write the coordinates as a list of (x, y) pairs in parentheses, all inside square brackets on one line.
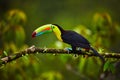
[(106, 66), (109, 66), (112, 68), (5, 53)]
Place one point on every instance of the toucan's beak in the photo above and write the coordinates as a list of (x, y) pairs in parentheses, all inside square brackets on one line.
[(42, 30), (33, 34)]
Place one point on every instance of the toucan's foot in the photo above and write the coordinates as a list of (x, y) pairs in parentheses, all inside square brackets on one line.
[(68, 49)]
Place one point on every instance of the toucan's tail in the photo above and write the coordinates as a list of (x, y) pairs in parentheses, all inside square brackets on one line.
[(97, 54)]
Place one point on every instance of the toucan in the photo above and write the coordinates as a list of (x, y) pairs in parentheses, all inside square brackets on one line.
[(72, 38)]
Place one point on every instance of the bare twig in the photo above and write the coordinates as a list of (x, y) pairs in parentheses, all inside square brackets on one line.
[(33, 50)]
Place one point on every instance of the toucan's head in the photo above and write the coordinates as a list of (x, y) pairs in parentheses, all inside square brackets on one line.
[(46, 29)]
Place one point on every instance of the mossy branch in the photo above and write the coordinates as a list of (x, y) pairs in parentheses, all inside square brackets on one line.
[(33, 50)]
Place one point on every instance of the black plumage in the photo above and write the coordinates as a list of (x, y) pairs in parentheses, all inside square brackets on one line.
[(75, 40)]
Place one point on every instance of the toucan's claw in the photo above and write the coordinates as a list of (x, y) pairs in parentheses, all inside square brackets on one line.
[(68, 49)]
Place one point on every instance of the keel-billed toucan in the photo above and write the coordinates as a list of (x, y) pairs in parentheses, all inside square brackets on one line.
[(70, 37)]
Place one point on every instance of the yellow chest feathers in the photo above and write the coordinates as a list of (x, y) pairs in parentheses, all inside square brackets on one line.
[(57, 33)]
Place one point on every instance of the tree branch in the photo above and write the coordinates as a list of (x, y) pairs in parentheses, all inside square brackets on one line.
[(33, 50)]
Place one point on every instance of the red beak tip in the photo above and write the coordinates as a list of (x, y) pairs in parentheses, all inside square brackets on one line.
[(33, 34)]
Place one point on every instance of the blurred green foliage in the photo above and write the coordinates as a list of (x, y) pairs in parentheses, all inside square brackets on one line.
[(16, 26), (105, 30), (12, 31)]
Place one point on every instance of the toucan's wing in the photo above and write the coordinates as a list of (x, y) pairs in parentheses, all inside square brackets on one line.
[(75, 39)]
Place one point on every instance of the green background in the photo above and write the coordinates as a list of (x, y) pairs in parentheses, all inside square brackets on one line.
[(96, 20)]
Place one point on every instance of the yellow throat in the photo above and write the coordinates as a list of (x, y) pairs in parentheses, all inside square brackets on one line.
[(57, 32)]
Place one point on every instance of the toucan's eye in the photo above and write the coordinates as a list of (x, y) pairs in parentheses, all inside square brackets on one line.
[(53, 27)]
